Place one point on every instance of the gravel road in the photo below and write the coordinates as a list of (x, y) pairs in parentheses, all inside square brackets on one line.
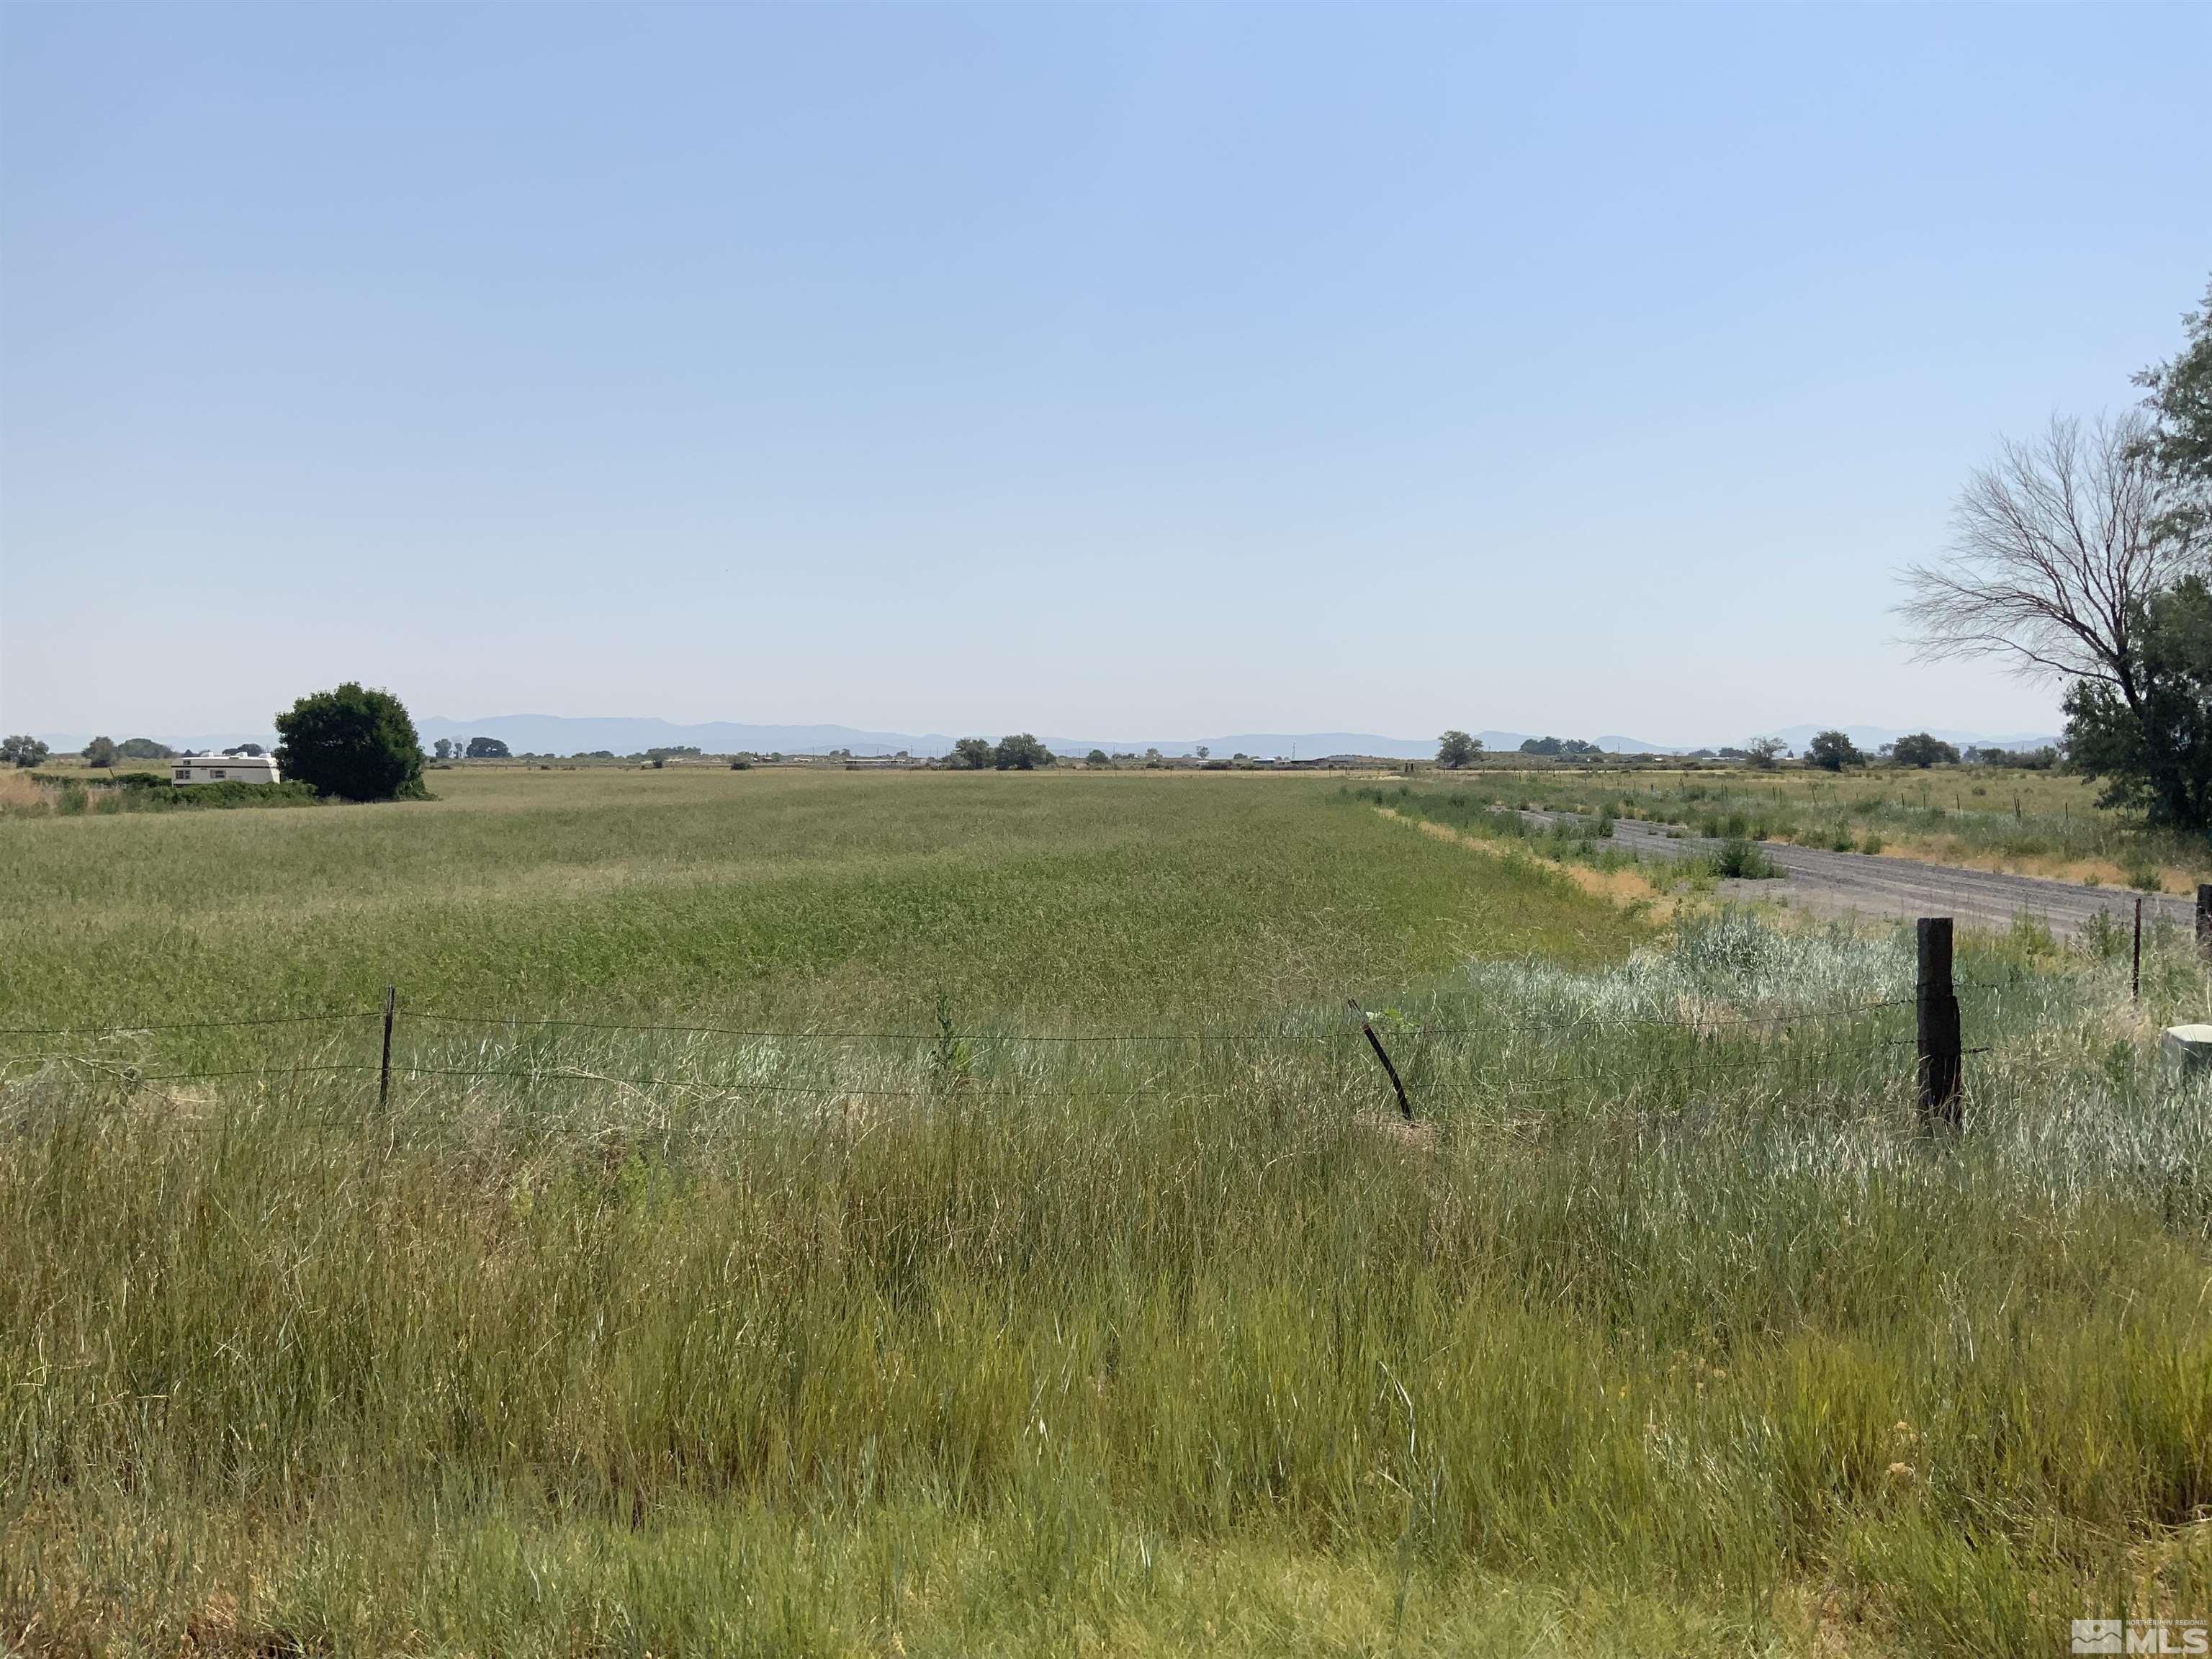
[(1861, 884)]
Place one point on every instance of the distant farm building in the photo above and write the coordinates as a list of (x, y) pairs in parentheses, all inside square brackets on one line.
[(223, 769)]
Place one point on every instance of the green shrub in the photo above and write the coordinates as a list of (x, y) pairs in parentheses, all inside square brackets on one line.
[(110, 780), (2102, 936), (143, 792), (1739, 859), (2030, 936), (233, 793)]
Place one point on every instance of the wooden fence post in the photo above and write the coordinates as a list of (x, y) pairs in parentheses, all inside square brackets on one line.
[(2134, 972), (1937, 1006), (384, 1070), (1405, 1106)]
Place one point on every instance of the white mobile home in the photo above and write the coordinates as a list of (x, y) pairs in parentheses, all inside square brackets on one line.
[(223, 769)]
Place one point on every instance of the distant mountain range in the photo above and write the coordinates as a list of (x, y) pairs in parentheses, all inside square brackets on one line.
[(558, 734)]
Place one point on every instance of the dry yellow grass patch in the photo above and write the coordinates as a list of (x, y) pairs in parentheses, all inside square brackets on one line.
[(19, 794), (1622, 887), (1951, 855)]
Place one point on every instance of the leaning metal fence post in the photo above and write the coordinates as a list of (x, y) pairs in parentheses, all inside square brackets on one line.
[(1405, 1106)]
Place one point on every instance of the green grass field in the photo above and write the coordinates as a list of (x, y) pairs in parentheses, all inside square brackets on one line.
[(739, 896), (906, 1324)]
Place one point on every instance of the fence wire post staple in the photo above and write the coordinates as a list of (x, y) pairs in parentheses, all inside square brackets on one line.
[(1405, 1105)]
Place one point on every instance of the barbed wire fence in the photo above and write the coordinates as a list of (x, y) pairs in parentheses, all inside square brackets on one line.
[(967, 1058)]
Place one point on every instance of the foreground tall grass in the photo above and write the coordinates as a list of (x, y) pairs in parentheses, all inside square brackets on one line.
[(1665, 1330)]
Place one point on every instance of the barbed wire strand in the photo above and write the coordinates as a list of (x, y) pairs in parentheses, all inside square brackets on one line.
[(1845, 1011), (1626, 1078), (188, 1024)]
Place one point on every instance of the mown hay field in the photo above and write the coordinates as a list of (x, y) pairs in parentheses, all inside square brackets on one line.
[(1029, 1259)]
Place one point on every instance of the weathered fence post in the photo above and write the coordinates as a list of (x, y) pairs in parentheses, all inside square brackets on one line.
[(1375, 1042), (1937, 1006), (2205, 916), (384, 1070), (2134, 972)]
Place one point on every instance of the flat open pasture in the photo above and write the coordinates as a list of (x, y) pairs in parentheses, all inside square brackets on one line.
[(764, 895), (1116, 1310)]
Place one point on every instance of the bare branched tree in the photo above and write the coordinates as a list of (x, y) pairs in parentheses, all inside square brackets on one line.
[(2055, 547)]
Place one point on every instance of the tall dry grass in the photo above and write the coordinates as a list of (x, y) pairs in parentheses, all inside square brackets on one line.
[(1667, 1330), (20, 795)]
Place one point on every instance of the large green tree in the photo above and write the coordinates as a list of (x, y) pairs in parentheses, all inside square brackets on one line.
[(970, 755), (2180, 402), (1455, 749), (1922, 750), (21, 749), (1020, 752), (2156, 753), (353, 743), (1557, 746), (1832, 751)]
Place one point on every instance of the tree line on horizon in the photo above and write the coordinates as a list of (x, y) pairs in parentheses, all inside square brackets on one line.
[(20, 749), (1831, 751)]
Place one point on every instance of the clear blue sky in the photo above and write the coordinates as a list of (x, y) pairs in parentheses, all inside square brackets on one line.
[(1149, 372)]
